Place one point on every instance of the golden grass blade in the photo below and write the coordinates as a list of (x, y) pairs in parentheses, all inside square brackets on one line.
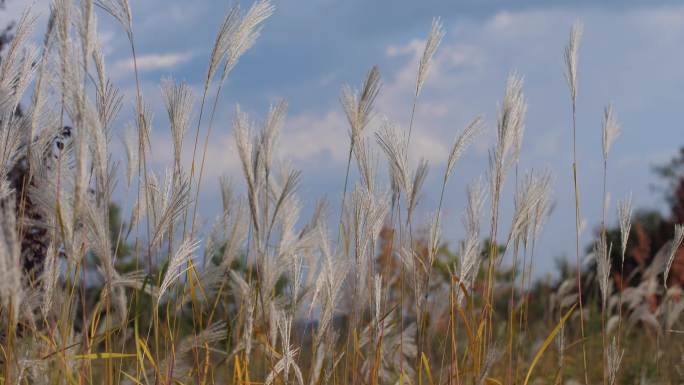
[(548, 342), (237, 373), (469, 330), (135, 381), (426, 365), (96, 319), (147, 354), (99, 356)]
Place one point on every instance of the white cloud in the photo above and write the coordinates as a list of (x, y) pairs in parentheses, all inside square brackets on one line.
[(414, 48), (514, 27), (307, 139), (433, 149), (307, 136), (154, 61), (221, 156)]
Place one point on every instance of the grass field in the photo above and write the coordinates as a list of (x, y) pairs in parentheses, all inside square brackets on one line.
[(99, 290)]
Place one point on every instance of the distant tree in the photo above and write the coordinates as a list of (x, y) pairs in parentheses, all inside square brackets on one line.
[(651, 230), (673, 173)]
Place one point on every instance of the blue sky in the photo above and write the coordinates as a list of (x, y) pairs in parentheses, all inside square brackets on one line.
[(631, 55)]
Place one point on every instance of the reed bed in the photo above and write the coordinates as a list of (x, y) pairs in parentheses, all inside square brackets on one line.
[(140, 293)]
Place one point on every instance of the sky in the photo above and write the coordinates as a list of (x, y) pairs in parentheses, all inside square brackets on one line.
[(630, 56)]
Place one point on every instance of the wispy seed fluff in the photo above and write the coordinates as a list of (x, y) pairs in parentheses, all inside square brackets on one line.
[(511, 124), (120, 10), (176, 266), (178, 100), (614, 359), (246, 34), (509, 133), (461, 144), (394, 145), (236, 35), (570, 56), (602, 254), (611, 130), (625, 219), (512, 117), (531, 203), (674, 246), (229, 26), (470, 248), (358, 104), (431, 45), (131, 148), (366, 161), (10, 264)]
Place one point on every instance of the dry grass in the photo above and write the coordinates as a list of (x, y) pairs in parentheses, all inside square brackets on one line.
[(259, 299)]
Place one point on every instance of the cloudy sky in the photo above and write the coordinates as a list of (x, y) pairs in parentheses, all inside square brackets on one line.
[(631, 55)]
